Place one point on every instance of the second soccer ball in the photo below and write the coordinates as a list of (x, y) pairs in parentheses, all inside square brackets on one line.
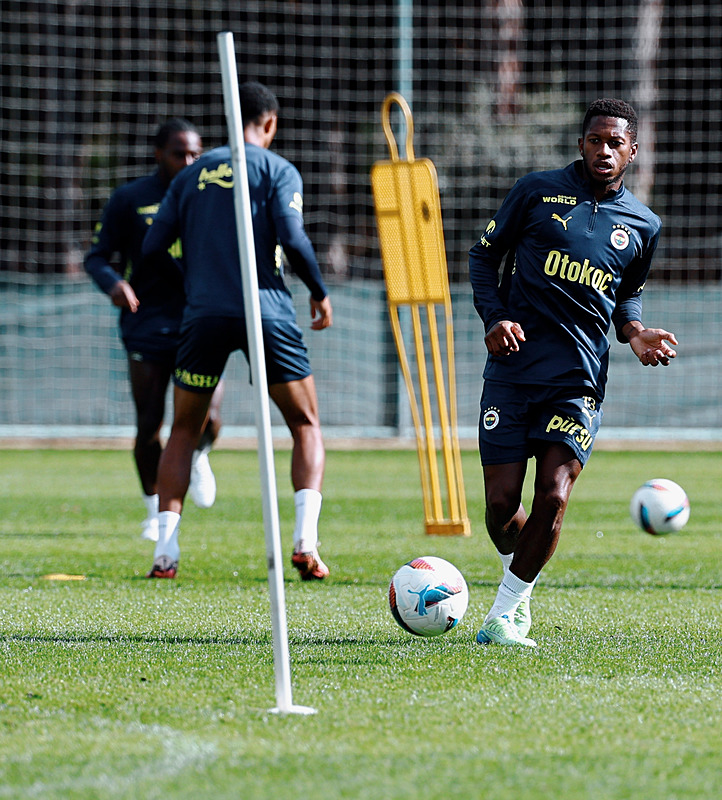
[(660, 506)]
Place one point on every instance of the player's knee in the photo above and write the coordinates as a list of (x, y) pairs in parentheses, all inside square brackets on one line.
[(213, 426), (302, 419), (149, 428), (552, 502), (501, 505), (306, 431)]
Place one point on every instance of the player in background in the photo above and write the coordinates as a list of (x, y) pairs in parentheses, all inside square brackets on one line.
[(150, 296), (578, 248), (199, 208)]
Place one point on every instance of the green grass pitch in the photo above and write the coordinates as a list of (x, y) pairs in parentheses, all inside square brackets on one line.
[(115, 686)]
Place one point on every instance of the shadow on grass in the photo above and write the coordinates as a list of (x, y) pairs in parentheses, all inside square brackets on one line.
[(254, 641), (47, 535), (99, 638)]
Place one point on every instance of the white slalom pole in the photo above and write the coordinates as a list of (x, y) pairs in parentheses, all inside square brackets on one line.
[(252, 307)]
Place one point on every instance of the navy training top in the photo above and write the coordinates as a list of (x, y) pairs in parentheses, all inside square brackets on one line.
[(199, 208), (157, 282), (574, 267)]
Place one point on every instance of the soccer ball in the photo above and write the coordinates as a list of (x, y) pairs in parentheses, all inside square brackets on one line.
[(428, 596), (660, 506)]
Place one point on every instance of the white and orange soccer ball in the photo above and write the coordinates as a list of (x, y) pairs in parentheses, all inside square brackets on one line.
[(428, 596), (660, 506)]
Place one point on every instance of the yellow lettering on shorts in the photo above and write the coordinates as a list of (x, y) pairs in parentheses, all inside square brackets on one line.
[(574, 430), (194, 379), (554, 423)]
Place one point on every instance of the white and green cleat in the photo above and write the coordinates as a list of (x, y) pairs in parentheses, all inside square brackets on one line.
[(522, 617), (501, 630)]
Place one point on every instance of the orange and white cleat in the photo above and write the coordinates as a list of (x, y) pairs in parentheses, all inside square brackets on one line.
[(309, 566), (163, 567)]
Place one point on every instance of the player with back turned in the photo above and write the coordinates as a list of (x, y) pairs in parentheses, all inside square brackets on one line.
[(150, 295), (199, 208), (578, 249)]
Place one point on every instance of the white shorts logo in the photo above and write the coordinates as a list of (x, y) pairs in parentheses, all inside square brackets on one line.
[(490, 418)]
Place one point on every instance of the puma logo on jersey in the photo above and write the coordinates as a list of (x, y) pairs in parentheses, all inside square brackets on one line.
[(489, 229), (297, 202), (563, 221)]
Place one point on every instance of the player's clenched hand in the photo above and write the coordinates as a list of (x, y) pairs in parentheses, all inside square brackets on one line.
[(321, 314), (504, 338), (123, 296), (650, 346)]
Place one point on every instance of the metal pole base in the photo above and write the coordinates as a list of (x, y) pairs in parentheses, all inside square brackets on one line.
[(305, 710)]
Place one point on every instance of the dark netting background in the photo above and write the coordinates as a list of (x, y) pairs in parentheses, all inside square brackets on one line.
[(497, 88)]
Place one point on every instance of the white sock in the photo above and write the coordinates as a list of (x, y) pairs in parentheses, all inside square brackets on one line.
[(512, 591), (168, 530), (308, 510), (506, 560), (151, 505)]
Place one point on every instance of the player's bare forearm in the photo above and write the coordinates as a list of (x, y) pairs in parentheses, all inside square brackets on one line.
[(650, 345)]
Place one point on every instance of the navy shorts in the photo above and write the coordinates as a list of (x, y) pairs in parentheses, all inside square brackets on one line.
[(142, 354), (517, 420), (207, 342), (156, 346)]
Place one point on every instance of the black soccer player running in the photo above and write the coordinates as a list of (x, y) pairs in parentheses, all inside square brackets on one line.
[(149, 293), (199, 208), (578, 248)]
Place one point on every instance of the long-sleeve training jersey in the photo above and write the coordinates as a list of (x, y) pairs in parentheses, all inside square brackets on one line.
[(574, 267), (157, 282), (199, 208)]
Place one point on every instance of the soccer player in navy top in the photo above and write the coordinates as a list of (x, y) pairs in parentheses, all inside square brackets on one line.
[(578, 247), (199, 208), (149, 293)]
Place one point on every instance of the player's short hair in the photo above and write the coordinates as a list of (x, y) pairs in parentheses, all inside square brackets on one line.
[(171, 126), (256, 100), (608, 107)]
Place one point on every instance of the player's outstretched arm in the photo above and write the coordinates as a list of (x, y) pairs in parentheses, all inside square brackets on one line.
[(504, 337), (650, 344)]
